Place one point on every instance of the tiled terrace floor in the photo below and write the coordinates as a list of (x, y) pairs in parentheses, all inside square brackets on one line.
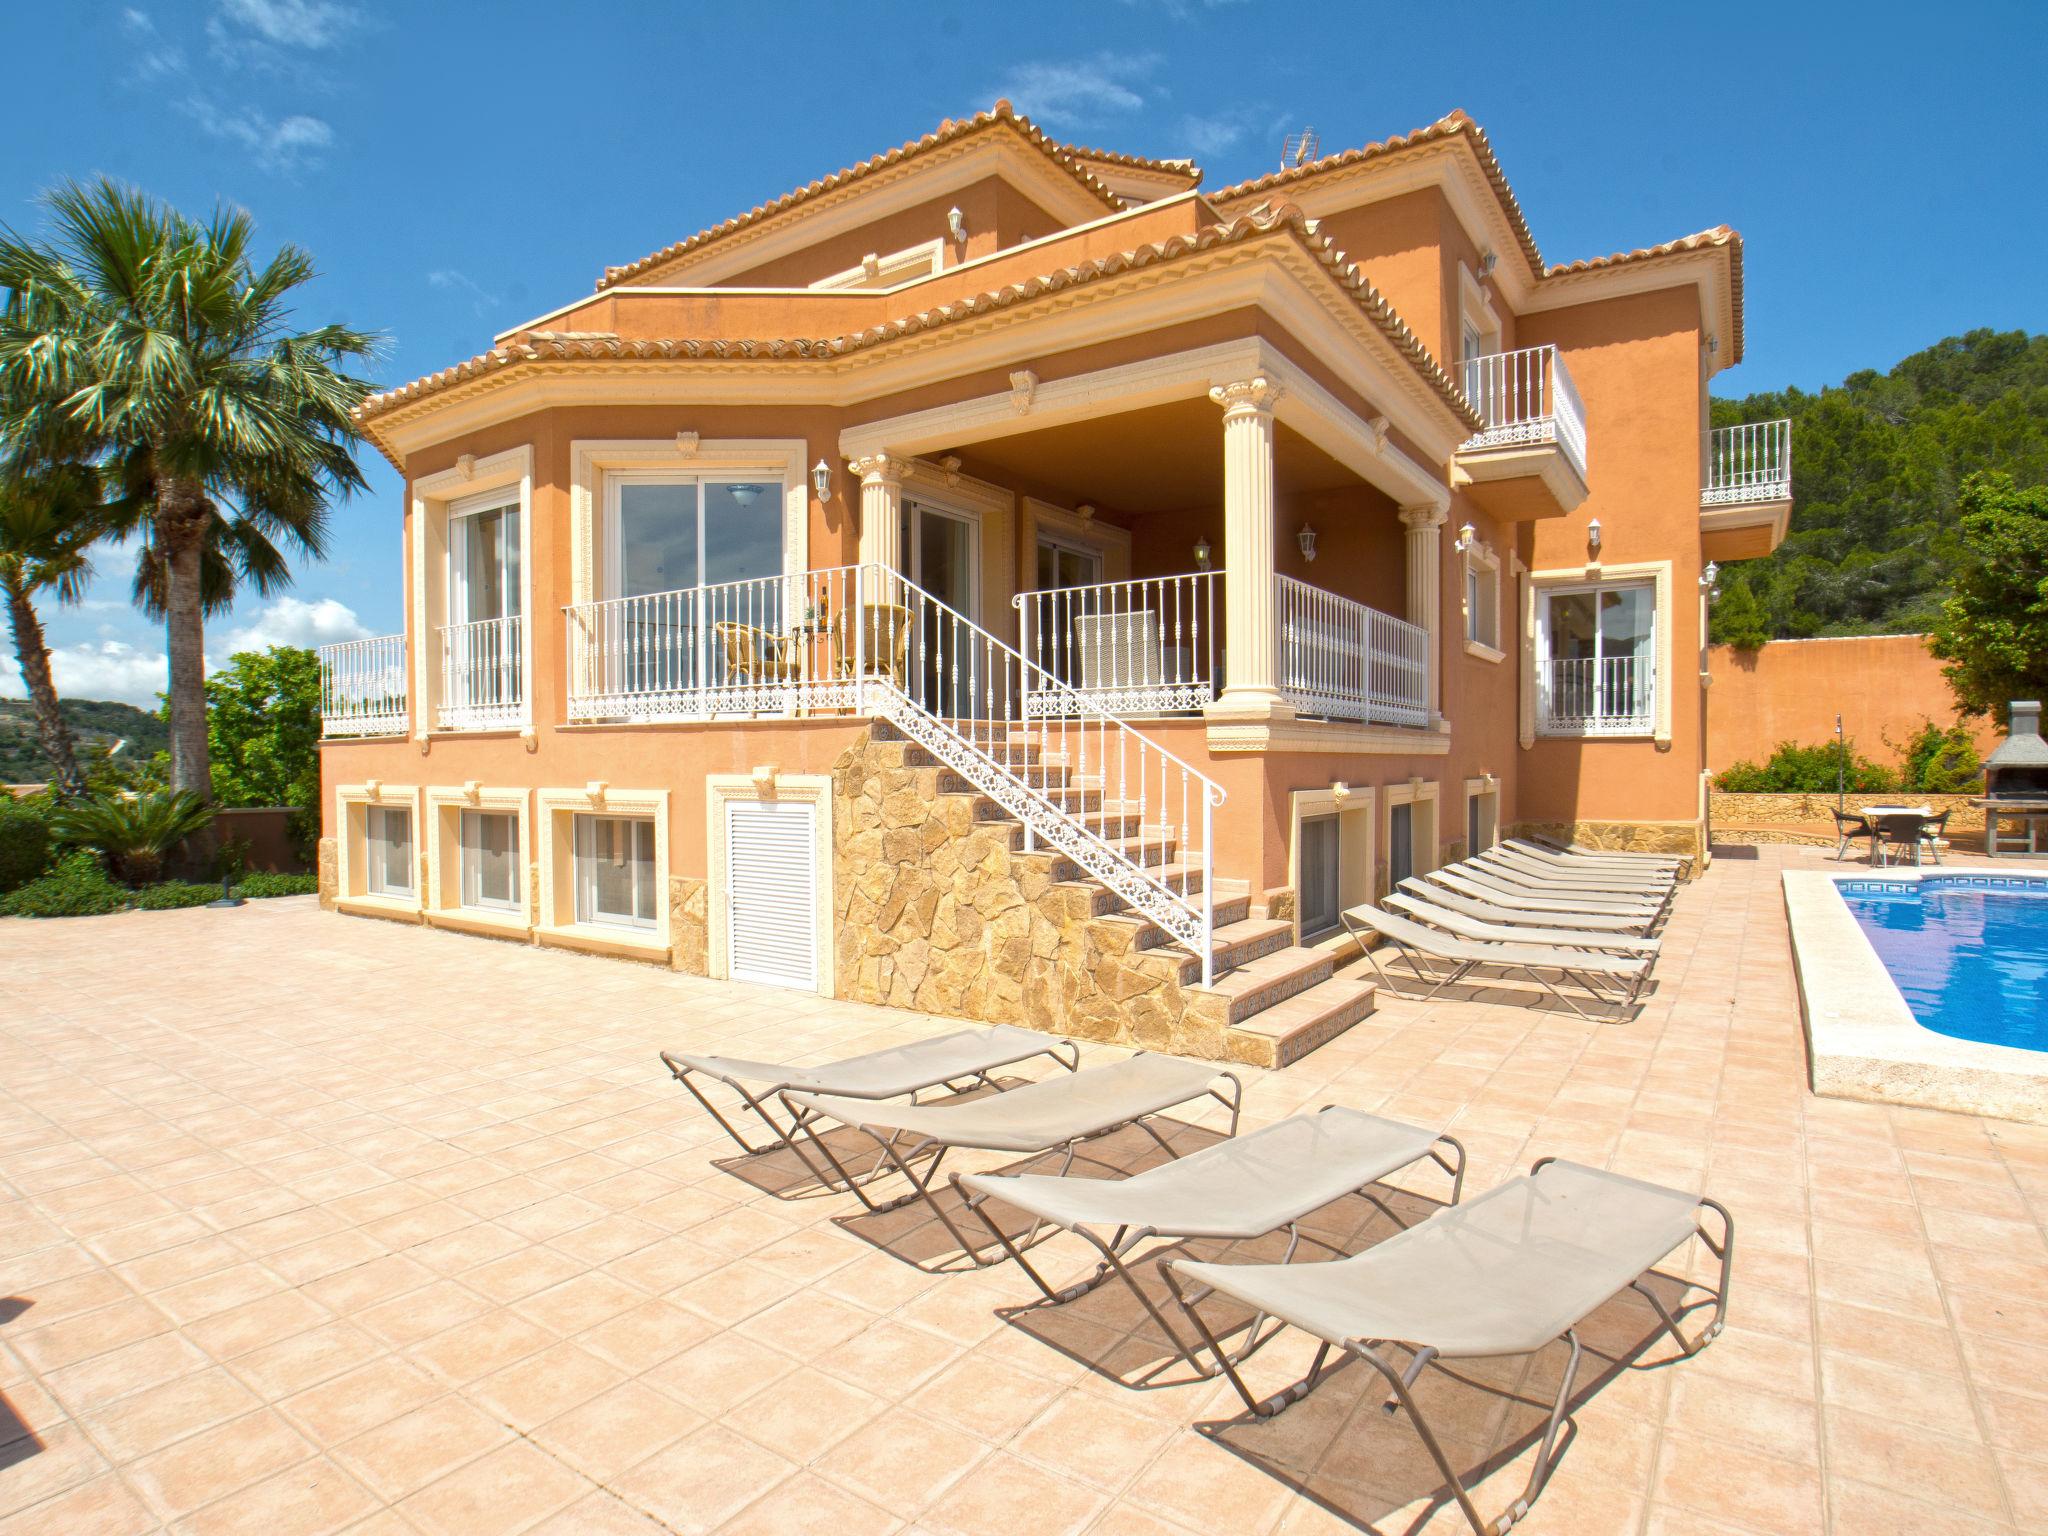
[(316, 1223)]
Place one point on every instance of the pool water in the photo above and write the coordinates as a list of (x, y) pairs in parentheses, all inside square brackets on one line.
[(1969, 953)]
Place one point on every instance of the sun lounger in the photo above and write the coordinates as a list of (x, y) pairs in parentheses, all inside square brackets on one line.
[(1457, 958), (1508, 1273), (966, 1056), (1678, 863), (1499, 881), (1650, 887), (1638, 866), (1232, 1191), (1466, 880), (1509, 914), (1424, 910), (1054, 1115)]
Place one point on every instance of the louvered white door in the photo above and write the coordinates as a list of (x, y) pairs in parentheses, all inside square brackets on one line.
[(771, 892)]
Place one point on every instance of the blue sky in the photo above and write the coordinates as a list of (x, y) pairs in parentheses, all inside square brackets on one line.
[(456, 169)]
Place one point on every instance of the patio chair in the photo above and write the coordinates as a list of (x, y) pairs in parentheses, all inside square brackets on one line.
[(883, 641), (1233, 1191), (1849, 826), (1454, 922), (965, 1057), (1454, 958), (1934, 836), (1508, 1273), (1498, 880), (1054, 1115), (1481, 885), (753, 655), (1429, 888), (1901, 832)]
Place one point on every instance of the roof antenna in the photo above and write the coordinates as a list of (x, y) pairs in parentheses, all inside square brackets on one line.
[(1297, 149)]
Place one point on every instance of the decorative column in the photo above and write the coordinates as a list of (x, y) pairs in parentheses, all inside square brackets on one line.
[(881, 508), (1252, 686), (1425, 594)]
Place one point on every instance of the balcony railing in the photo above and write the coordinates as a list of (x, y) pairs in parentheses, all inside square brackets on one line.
[(1599, 696), (1526, 397), (1344, 660), (1750, 462), (362, 687), (483, 683), (1132, 647)]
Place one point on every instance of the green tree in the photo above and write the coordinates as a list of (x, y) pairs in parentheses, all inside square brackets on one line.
[(1737, 618), (1993, 633), (50, 517), (163, 339), (263, 731)]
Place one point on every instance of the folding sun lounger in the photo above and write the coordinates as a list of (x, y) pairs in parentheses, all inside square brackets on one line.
[(1057, 1114), (1458, 958), (1467, 881), (1501, 911), (1504, 1274), (1647, 886), (1232, 1191), (1666, 863), (1473, 928), (964, 1056), (1501, 881)]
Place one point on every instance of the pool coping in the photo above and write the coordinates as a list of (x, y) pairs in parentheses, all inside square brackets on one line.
[(1862, 1039)]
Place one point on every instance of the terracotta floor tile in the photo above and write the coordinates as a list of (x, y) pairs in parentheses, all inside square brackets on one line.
[(482, 1345), (506, 1492), (546, 1384), (1095, 1440), (804, 1414), (291, 1365), (1718, 1477), (808, 1504), (616, 1429), (217, 1462), (408, 1452), (311, 1499), (104, 1506), (58, 1460), (360, 1400), (701, 1481), (147, 1421), (903, 1459)]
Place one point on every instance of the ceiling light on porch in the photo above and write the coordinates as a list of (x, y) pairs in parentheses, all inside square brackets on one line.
[(1307, 539), (1201, 554), (821, 480)]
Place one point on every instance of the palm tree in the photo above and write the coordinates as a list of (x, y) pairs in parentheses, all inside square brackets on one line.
[(50, 517), (162, 339), (133, 832)]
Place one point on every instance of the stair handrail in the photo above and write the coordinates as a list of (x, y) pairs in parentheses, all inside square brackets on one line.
[(895, 680)]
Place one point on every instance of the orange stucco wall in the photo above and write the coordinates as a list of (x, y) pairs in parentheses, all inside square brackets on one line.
[(1883, 686)]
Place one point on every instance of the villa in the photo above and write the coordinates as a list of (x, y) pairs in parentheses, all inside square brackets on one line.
[(1010, 580)]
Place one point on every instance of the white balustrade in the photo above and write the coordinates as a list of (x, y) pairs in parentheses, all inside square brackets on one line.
[(1748, 462), (1599, 696), (1341, 659), (362, 687), (1526, 396), (483, 675), (1133, 647)]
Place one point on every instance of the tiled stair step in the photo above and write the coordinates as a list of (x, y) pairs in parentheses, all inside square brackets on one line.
[(1182, 879), (1146, 853), (1272, 979), (1128, 933), (1066, 798), (1310, 1018)]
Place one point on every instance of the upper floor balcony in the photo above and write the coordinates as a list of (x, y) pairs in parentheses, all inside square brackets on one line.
[(1745, 489), (1528, 459), (362, 687)]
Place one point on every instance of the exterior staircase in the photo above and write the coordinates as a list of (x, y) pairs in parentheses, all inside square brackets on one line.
[(1268, 1003)]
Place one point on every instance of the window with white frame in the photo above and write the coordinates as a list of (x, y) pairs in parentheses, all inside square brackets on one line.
[(482, 656), (1482, 816), (1482, 598), (1411, 831), (1596, 659), (490, 860), (387, 851), (615, 874), (1318, 893), (1332, 866)]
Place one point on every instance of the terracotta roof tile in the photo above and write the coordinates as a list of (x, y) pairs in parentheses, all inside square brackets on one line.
[(1719, 237), (1187, 168), (534, 347), (946, 133)]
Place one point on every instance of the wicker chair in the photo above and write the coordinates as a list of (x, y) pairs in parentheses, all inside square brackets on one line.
[(884, 641), (753, 655)]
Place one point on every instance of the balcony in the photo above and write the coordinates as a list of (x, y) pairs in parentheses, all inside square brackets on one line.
[(483, 686), (1746, 490), (362, 688), (1528, 459), (1598, 696)]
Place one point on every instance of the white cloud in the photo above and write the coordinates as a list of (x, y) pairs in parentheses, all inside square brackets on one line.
[(283, 144), (293, 23), (157, 55), (1214, 134), (112, 669), (1082, 91), (452, 280), (292, 621)]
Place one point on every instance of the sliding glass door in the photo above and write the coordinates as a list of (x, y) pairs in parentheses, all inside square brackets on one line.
[(942, 550), (482, 653)]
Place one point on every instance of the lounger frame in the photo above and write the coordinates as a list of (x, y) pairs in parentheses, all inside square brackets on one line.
[(1449, 971)]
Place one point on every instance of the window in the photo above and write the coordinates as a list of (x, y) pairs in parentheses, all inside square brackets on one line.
[(490, 860), (482, 663), (1400, 844), (1411, 830), (387, 851), (615, 872), (1320, 880), (1482, 818), (1597, 667), (1482, 599), (1066, 565)]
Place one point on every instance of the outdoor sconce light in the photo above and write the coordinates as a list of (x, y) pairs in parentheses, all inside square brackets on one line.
[(1467, 536), (1307, 539), (821, 480), (1201, 554), (1593, 535), (1708, 576), (1487, 263), (956, 225)]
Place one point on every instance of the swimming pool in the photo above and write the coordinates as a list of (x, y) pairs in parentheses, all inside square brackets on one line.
[(1968, 952)]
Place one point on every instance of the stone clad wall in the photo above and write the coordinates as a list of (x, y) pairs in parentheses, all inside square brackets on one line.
[(937, 909), (1681, 837), (1808, 818)]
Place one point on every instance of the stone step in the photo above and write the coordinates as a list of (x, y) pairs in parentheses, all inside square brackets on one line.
[(1272, 979), (1284, 1033), (1127, 933), (1146, 853)]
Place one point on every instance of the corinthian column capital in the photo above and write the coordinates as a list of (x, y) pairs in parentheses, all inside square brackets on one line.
[(1418, 519), (1246, 397), (880, 468)]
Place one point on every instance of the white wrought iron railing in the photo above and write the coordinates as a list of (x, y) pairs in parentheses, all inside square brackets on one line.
[(1342, 659), (1526, 396), (1134, 647), (1749, 462), (1599, 696), (362, 687), (483, 674)]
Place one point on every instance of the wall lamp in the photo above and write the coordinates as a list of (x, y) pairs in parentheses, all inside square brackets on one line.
[(821, 480), (956, 225), (1307, 539), (1201, 554), (1467, 537), (1593, 535)]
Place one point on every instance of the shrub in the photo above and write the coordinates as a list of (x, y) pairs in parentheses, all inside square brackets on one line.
[(263, 884), (1738, 619), (134, 832), (24, 842), (1793, 769), (77, 887), (1941, 762), (166, 895)]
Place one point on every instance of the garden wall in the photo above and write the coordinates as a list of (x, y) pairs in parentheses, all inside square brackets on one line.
[(1807, 818), (1884, 686)]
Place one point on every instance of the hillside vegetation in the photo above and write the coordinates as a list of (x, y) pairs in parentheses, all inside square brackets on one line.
[(1877, 463), (98, 724)]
